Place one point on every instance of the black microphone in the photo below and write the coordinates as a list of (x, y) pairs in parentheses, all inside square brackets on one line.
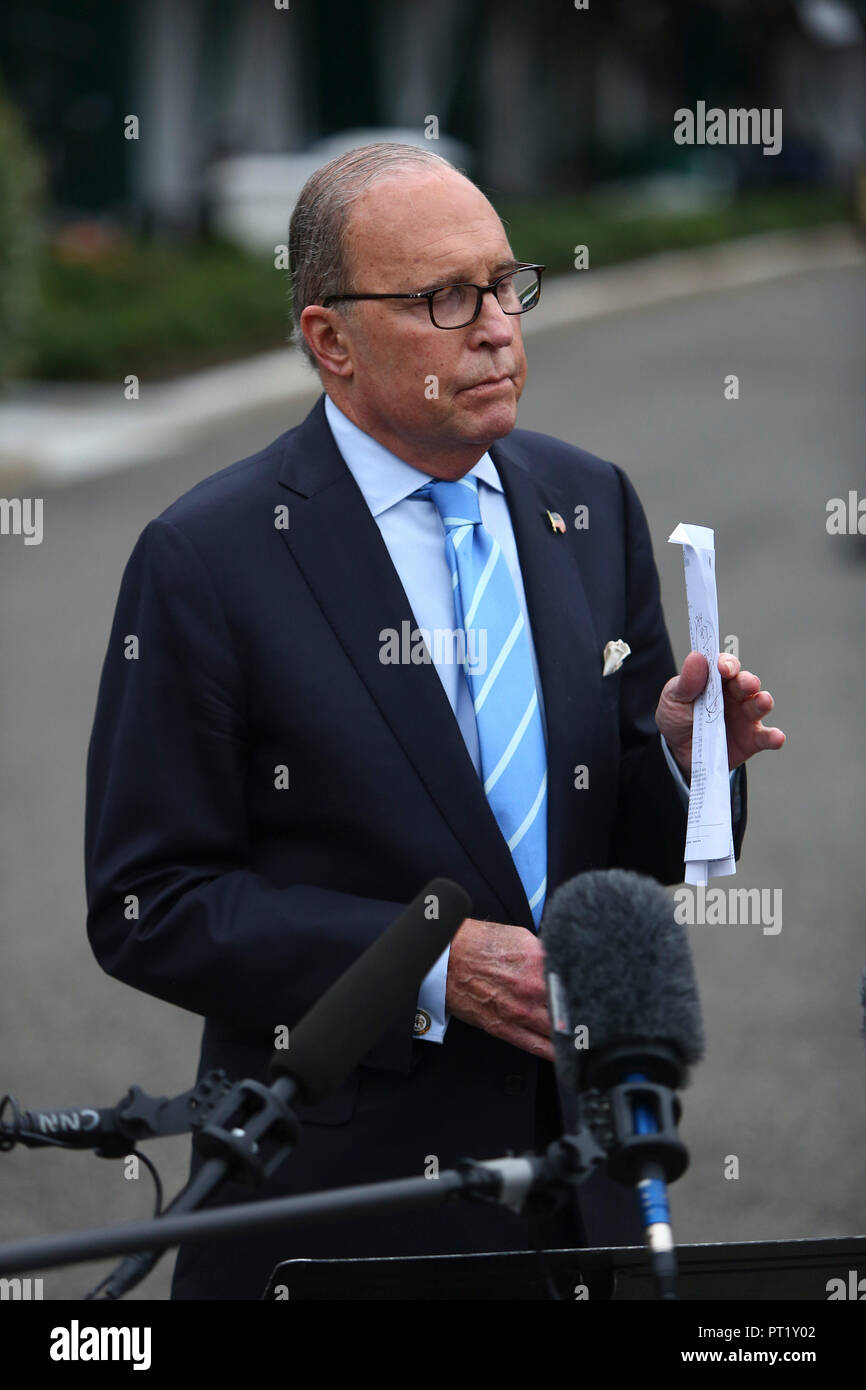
[(72, 1127), (627, 1026), (343, 1025)]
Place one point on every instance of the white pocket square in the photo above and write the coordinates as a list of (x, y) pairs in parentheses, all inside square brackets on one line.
[(615, 654)]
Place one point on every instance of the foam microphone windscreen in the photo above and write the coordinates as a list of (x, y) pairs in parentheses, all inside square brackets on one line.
[(619, 966)]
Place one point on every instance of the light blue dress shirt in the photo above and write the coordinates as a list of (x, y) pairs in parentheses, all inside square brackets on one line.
[(412, 531)]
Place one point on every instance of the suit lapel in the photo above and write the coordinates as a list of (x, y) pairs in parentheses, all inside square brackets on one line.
[(340, 551)]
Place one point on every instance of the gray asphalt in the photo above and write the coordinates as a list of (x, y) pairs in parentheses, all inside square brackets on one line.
[(783, 1088)]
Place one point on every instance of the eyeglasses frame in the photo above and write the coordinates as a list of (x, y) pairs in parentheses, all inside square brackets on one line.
[(480, 291)]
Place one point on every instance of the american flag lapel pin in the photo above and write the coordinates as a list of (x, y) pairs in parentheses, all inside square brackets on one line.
[(556, 522)]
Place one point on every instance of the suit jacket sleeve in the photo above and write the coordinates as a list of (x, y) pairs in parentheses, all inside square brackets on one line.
[(650, 822), (173, 906)]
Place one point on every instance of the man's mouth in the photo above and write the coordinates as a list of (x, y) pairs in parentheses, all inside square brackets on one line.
[(490, 383)]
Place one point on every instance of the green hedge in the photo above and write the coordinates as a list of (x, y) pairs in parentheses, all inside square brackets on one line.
[(162, 309), (155, 310), (20, 190), (547, 230)]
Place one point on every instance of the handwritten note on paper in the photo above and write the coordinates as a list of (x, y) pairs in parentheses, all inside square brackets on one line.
[(709, 849)]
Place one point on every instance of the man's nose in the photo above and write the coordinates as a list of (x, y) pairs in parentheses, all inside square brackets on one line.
[(493, 325)]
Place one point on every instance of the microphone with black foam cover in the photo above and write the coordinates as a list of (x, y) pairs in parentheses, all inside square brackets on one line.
[(627, 1027), (619, 966)]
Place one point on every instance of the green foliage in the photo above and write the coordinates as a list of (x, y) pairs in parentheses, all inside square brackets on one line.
[(159, 309), (155, 310), (20, 190), (547, 229)]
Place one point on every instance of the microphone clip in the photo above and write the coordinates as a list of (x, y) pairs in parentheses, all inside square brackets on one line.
[(636, 1124), (533, 1184)]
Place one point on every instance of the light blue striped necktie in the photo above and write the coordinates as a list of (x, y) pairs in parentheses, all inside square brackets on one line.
[(501, 680)]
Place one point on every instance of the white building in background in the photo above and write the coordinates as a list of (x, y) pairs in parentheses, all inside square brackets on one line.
[(230, 112), (234, 99), (252, 196)]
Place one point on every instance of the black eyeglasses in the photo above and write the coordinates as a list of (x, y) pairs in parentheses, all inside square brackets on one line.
[(456, 306)]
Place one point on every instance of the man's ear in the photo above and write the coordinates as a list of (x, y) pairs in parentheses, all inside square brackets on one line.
[(328, 340)]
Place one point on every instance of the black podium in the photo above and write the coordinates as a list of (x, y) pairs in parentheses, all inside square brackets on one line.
[(751, 1270)]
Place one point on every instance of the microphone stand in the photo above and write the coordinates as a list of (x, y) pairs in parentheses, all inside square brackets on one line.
[(244, 1129), (530, 1183), (112, 1131), (251, 1129), (251, 1132), (636, 1123)]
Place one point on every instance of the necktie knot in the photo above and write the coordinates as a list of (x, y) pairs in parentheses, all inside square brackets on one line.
[(456, 502)]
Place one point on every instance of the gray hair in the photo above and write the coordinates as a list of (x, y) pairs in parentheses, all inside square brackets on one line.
[(318, 255)]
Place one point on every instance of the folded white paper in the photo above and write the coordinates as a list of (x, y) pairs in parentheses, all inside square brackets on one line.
[(709, 851)]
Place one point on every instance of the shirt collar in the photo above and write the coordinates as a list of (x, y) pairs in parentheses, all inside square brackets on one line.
[(383, 478)]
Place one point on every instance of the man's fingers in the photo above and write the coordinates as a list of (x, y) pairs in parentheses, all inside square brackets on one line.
[(769, 738), (743, 686), (746, 690), (687, 686), (532, 1042), (755, 707), (496, 982)]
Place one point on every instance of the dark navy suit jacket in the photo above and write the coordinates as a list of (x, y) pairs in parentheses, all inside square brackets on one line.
[(257, 648)]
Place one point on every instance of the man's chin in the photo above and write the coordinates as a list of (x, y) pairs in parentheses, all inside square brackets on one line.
[(490, 419)]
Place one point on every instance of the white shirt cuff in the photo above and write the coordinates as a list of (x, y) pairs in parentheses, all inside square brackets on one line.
[(682, 784)]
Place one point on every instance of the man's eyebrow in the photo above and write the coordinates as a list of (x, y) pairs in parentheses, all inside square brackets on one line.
[(463, 276)]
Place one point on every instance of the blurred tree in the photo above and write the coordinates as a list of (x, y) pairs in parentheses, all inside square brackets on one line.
[(21, 185)]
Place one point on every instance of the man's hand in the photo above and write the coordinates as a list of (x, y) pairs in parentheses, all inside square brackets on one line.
[(745, 706), (496, 982)]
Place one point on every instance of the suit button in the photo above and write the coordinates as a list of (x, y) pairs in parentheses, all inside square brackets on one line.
[(514, 1085)]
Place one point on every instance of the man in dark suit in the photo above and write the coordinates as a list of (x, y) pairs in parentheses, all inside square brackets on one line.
[(268, 785)]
